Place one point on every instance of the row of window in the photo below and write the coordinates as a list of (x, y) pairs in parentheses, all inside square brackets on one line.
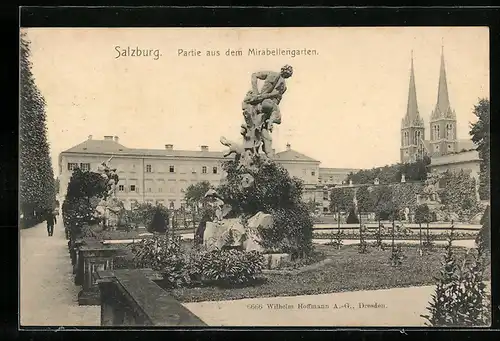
[(134, 188), (171, 169), (83, 166), (149, 168), (417, 136)]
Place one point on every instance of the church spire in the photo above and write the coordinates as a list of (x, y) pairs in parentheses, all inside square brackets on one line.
[(412, 116), (443, 100)]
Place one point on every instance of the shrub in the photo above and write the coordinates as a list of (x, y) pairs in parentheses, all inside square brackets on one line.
[(336, 239), (363, 245), (352, 218), (276, 193), (291, 231), (85, 190), (228, 267), (397, 256), (181, 268), (483, 239), (159, 222), (460, 297)]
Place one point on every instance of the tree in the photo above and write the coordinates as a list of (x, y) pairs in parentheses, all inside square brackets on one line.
[(273, 191), (458, 194), (480, 133), (36, 190), (85, 190), (483, 239), (415, 171), (195, 193), (341, 199)]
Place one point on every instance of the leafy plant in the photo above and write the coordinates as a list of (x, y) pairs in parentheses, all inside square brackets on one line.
[(483, 239), (458, 194), (185, 268), (276, 193), (85, 190), (460, 297), (229, 267)]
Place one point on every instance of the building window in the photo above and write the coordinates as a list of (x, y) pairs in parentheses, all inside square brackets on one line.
[(172, 205), (171, 169), (160, 189), (85, 167), (121, 188), (149, 189), (132, 188), (214, 170), (148, 168), (313, 173), (72, 166), (204, 169)]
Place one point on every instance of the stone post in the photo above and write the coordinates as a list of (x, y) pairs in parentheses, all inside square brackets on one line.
[(94, 256)]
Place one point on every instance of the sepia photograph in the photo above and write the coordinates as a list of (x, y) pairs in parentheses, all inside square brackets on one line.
[(255, 177)]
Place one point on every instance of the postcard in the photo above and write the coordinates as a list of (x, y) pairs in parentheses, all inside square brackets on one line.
[(241, 177)]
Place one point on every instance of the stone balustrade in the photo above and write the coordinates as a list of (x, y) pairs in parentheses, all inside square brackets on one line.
[(132, 298), (91, 255)]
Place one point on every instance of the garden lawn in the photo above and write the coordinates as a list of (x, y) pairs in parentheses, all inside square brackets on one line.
[(350, 271)]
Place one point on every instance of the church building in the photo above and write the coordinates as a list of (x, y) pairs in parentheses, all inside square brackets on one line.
[(442, 140)]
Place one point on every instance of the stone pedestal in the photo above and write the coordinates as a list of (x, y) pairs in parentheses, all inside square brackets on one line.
[(274, 260), (93, 256)]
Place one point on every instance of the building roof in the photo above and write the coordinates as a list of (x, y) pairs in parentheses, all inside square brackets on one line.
[(465, 144), (292, 155), (326, 170), (443, 109), (97, 146), (412, 117), (111, 147), (468, 156)]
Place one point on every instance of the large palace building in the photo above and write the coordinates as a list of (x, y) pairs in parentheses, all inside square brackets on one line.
[(162, 175)]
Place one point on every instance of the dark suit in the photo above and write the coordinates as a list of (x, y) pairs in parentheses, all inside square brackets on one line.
[(51, 220)]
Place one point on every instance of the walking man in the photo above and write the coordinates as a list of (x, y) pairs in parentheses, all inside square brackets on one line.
[(51, 220)]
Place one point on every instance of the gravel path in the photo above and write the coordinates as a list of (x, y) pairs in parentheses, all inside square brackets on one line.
[(48, 295)]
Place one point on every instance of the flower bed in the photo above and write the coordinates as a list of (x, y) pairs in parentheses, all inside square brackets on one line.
[(350, 271), (398, 236)]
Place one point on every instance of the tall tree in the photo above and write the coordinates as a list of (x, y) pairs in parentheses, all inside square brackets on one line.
[(480, 133), (195, 193), (37, 187)]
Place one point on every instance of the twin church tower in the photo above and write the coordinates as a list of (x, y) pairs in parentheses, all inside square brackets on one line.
[(443, 123)]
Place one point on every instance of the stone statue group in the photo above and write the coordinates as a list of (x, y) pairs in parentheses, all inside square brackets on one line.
[(261, 112), (109, 208)]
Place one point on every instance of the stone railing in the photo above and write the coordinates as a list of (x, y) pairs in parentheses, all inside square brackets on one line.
[(132, 298), (91, 255)]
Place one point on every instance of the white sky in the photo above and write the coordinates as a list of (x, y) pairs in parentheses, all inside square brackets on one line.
[(343, 106)]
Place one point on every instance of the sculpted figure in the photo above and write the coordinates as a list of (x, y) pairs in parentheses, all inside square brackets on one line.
[(234, 148), (271, 93)]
